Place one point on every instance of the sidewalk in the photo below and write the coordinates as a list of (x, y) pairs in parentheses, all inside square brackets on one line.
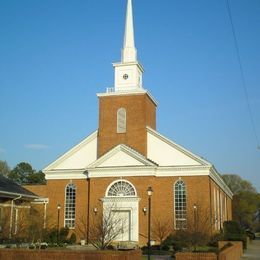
[(253, 250)]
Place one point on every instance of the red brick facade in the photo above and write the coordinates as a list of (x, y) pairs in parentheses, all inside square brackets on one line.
[(198, 192), (140, 113)]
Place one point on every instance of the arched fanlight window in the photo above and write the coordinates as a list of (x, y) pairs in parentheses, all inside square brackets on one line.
[(180, 205), (121, 120), (70, 205), (121, 189)]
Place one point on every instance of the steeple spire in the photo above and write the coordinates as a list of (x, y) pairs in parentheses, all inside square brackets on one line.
[(129, 53), (128, 72)]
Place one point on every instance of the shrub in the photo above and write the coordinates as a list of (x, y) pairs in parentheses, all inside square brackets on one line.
[(232, 227), (234, 232), (177, 242), (72, 239), (215, 238), (165, 248), (168, 241), (63, 234), (237, 237), (155, 247), (50, 236)]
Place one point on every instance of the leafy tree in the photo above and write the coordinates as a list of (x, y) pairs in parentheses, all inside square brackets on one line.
[(4, 168), (36, 178), (237, 184), (246, 200), (245, 206), (23, 173)]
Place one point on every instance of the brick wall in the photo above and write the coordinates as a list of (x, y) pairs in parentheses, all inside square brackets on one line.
[(233, 252), (14, 254), (140, 112), (162, 199), (196, 256), (198, 190)]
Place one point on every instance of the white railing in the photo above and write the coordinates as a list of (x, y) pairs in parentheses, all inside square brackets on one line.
[(110, 90)]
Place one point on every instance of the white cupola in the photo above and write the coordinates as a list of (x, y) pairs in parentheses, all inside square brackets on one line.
[(128, 73)]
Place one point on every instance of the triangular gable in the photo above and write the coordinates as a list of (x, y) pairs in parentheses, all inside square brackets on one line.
[(167, 153), (121, 156), (79, 157)]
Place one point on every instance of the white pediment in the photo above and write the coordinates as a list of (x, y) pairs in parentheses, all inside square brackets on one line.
[(121, 156), (167, 153), (79, 157)]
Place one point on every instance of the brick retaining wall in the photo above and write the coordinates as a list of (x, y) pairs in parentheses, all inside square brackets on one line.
[(23, 254), (196, 256), (233, 252)]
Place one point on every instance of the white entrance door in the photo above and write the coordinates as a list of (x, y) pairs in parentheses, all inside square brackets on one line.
[(125, 212), (123, 224)]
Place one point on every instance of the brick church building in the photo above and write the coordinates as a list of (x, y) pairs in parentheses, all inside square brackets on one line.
[(112, 168)]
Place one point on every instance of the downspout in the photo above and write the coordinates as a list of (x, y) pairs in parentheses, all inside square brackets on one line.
[(11, 215), (210, 205), (45, 215), (88, 209)]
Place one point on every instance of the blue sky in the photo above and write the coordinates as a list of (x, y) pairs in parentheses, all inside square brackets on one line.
[(56, 55)]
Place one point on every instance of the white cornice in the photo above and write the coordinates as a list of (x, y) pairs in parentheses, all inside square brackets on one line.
[(182, 171), (130, 171), (217, 178), (123, 64), (141, 171), (122, 171), (66, 174), (129, 93)]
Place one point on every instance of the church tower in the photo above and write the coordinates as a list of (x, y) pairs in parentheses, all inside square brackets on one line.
[(127, 109)]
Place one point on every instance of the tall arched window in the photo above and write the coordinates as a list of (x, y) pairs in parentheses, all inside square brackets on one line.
[(121, 189), (70, 205), (121, 120), (180, 205)]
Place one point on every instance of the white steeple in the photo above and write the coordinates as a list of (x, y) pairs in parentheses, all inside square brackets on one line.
[(128, 73), (129, 51)]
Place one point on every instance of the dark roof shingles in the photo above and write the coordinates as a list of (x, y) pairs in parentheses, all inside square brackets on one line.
[(7, 185)]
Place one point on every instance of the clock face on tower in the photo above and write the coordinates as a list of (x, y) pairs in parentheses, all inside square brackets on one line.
[(125, 76)]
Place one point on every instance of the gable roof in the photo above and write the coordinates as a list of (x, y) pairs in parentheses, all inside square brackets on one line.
[(167, 153), (79, 157), (122, 156), (10, 189)]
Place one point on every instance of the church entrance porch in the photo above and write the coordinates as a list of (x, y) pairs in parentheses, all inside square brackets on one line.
[(120, 210)]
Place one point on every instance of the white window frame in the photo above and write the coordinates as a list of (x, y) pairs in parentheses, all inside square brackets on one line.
[(123, 181), (183, 205), (68, 209)]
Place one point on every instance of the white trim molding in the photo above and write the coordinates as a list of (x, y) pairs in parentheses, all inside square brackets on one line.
[(129, 93), (72, 151), (66, 174)]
